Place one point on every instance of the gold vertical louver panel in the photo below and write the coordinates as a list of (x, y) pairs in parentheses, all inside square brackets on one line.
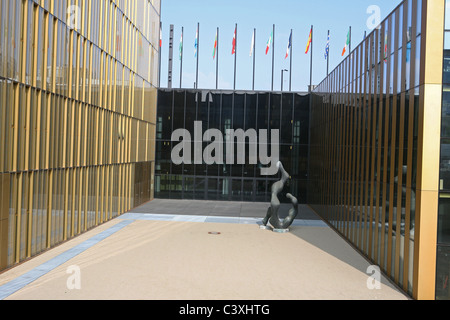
[(367, 118), (78, 106), (4, 218), (428, 159)]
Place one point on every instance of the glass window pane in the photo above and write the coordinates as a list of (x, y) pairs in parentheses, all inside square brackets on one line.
[(447, 15), (419, 17), (447, 40), (443, 273), (444, 221), (445, 132)]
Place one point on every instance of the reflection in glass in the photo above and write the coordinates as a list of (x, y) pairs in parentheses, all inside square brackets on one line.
[(200, 185), (445, 140), (444, 220), (443, 273), (212, 189), (246, 110), (446, 70)]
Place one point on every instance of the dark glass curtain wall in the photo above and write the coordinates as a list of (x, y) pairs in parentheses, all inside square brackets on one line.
[(178, 109), (443, 250)]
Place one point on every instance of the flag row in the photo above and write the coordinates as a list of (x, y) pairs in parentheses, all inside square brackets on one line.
[(345, 49)]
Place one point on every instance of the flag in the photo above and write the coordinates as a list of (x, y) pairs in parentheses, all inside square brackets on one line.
[(160, 36), (233, 50), (269, 42), (140, 48), (118, 43), (408, 45), (308, 45), (327, 47), (215, 47), (385, 47), (289, 46), (196, 43), (181, 46), (408, 52), (347, 44), (253, 43)]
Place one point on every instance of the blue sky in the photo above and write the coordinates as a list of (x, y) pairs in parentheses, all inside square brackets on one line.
[(299, 15)]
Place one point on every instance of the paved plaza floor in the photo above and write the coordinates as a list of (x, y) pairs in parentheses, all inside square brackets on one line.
[(199, 250)]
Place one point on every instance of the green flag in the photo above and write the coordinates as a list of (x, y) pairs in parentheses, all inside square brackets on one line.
[(181, 46)]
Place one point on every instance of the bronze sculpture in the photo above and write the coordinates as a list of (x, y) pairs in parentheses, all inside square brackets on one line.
[(272, 217)]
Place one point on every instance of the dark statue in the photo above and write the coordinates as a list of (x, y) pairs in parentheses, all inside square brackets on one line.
[(272, 213)]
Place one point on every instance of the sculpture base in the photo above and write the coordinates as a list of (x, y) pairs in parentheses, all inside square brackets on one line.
[(270, 228), (281, 230)]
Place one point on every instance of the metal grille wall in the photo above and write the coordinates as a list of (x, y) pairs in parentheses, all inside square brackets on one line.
[(77, 117), (374, 149)]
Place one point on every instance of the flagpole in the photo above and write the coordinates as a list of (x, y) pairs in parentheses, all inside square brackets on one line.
[(181, 57), (254, 57), (235, 57), (290, 66), (198, 53), (160, 37), (217, 61), (170, 71), (273, 54), (311, 62), (350, 44), (310, 99)]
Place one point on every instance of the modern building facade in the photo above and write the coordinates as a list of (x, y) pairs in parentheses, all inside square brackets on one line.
[(379, 160), (83, 140), (223, 110), (373, 153), (77, 117)]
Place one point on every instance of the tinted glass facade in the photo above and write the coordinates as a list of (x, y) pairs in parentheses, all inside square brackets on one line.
[(374, 149), (77, 117), (443, 252), (179, 109)]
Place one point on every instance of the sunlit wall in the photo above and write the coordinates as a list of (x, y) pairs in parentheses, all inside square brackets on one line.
[(375, 145), (77, 117)]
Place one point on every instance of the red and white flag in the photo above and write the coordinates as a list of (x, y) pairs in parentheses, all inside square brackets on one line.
[(233, 51)]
